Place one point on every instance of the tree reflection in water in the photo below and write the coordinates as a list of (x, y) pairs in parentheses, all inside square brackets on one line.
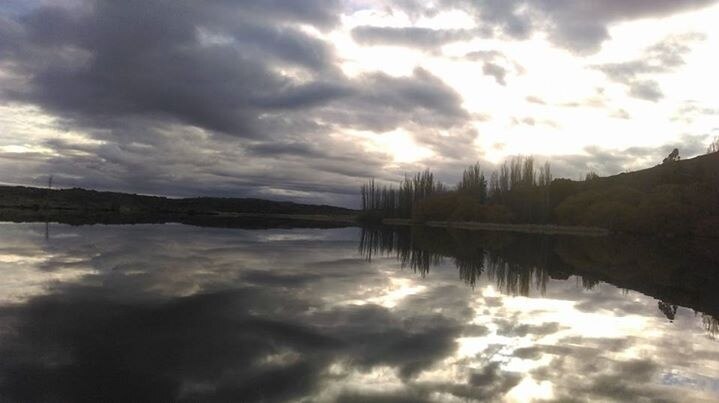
[(676, 273)]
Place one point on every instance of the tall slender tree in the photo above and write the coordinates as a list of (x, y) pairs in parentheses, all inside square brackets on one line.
[(473, 183)]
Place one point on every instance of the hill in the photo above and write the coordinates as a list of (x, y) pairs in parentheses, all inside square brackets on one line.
[(19, 203), (674, 198)]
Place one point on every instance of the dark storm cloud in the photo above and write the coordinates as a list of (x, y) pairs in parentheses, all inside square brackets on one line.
[(663, 57), (285, 148), (169, 162), (211, 66), (387, 101), (143, 77), (416, 37), (112, 60), (580, 26)]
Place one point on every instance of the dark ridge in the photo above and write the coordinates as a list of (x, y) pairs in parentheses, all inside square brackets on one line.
[(81, 206)]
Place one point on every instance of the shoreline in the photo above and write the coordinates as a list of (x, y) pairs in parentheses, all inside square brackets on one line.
[(549, 229), (73, 216), (96, 216)]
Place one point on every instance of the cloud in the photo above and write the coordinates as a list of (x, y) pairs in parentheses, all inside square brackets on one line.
[(252, 99), (159, 64), (663, 57), (621, 114), (170, 97), (580, 26), (535, 100), (507, 328), (648, 90), (611, 379), (612, 161), (496, 71), (531, 121), (195, 66), (492, 377), (495, 64), (415, 37), (384, 102), (690, 111)]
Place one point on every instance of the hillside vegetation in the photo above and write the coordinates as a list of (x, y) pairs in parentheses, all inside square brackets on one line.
[(677, 197), (90, 201)]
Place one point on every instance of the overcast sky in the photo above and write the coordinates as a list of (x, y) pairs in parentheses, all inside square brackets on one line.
[(305, 99)]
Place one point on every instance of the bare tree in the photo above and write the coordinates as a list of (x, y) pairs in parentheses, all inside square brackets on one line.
[(545, 175), (713, 146)]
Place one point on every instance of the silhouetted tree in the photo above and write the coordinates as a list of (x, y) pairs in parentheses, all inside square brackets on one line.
[(494, 188), (380, 202), (672, 157), (591, 176), (473, 183), (669, 310), (528, 175), (545, 175)]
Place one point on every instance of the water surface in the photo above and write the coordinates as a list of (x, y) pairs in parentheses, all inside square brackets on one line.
[(180, 313)]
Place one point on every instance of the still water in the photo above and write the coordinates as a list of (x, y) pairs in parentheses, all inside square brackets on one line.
[(181, 313)]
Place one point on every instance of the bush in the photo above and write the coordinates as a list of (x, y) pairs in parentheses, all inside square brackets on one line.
[(455, 207)]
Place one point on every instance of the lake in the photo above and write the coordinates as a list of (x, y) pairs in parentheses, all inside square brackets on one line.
[(181, 313)]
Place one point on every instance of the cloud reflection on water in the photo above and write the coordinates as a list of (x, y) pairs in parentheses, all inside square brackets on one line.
[(157, 313)]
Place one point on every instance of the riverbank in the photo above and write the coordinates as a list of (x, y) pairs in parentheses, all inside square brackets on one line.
[(346, 219), (548, 229), (206, 219)]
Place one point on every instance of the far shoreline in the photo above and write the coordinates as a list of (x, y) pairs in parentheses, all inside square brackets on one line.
[(18, 214)]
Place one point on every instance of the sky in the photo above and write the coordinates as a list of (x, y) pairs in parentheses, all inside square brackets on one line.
[(305, 99)]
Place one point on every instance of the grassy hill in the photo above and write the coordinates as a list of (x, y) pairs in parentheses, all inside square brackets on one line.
[(674, 198), (704, 168)]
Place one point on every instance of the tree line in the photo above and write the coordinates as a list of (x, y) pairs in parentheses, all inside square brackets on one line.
[(477, 195), (677, 197), (391, 202)]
